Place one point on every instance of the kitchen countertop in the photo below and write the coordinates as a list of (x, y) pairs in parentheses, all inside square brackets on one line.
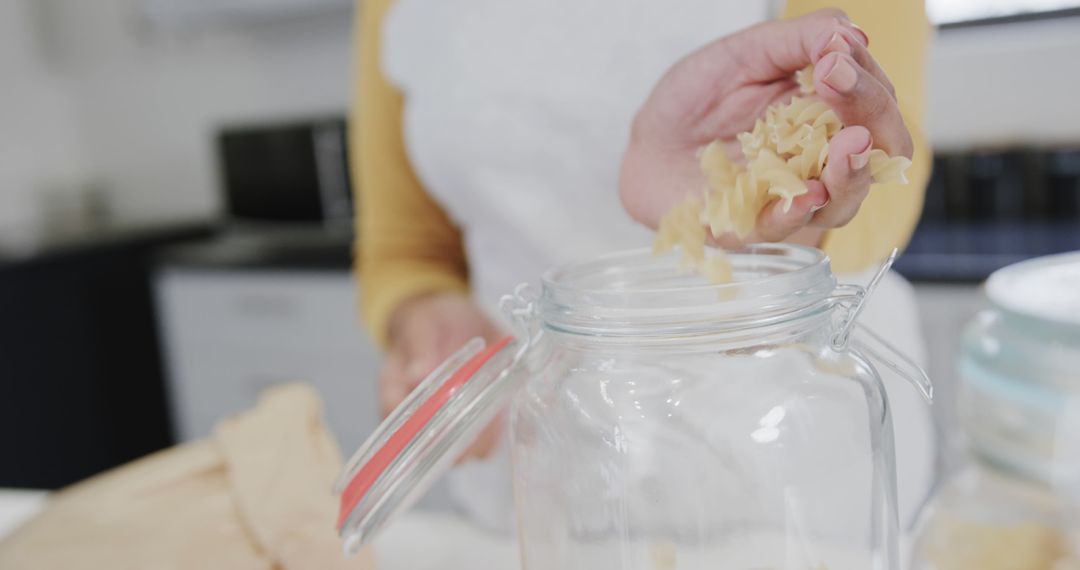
[(206, 244), (52, 249), (265, 248), (449, 542), (18, 506)]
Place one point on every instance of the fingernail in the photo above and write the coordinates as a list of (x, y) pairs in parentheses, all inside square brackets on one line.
[(842, 77), (821, 205), (860, 160), (837, 43), (862, 35)]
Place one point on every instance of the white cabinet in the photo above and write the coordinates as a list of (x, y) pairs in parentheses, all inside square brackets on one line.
[(228, 334)]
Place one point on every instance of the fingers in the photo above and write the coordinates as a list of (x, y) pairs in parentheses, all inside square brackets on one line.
[(831, 202), (779, 48), (410, 359), (776, 223), (396, 381), (846, 176), (859, 98), (424, 331), (392, 388), (848, 43)]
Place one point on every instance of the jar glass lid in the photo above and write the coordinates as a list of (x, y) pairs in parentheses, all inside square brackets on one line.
[(422, 437), (1047, 288)]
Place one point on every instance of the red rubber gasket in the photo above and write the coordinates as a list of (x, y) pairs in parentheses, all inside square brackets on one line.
[(382, 459)]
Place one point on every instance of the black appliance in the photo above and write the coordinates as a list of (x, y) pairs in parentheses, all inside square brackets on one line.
[(287, 172)]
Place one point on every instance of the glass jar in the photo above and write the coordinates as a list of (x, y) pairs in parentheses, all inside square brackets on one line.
[(1014, 505), (661, 422)]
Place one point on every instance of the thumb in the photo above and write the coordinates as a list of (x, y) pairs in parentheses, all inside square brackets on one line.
[(422, 356), (429, 346), (411, 348), (420, 366), (392, 388)]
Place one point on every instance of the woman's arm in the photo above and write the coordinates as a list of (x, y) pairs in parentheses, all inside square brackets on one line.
[(406, 244), (887, 218), (413, 275)]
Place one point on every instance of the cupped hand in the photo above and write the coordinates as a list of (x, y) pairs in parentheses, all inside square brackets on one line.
[(424, 331), (721, 89)]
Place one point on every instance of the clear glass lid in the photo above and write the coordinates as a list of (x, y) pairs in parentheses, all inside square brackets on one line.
[(1046, 288), (422, 437)]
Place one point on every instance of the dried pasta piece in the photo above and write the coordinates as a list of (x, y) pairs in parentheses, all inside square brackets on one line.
[(805, 79), (752, 141), (967, 545), (782, 181), (718, 269), (714, 163), (811, 112), (682, 227), (664, 556), (888, 170), (784, 149)]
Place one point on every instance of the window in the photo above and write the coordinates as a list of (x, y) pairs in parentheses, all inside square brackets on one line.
[(946, 12)]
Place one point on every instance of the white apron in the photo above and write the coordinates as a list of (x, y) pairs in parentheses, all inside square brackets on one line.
[(516, 116)]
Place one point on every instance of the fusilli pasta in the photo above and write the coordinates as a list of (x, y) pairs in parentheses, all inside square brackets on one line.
[(785, 148)]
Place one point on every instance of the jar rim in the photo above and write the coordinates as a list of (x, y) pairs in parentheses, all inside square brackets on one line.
[(1041, 293), (638, 292)]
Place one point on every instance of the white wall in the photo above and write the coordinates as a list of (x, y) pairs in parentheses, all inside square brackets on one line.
[(89, 92), (1016, 83), (40, 154), (148, 101)]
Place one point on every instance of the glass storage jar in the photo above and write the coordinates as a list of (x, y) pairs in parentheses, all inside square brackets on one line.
[(1013, 506), (662, 422)]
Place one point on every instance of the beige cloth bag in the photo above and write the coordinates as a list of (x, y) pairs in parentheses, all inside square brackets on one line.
[(257, 495)]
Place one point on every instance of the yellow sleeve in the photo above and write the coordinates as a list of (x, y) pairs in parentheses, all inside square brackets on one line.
[(899, 33), (406, 244)]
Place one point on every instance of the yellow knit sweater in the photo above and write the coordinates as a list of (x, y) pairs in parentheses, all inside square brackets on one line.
[(408, 246)]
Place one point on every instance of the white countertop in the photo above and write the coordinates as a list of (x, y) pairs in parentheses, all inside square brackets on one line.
[(419, 540), (423, 540), (17, 506)]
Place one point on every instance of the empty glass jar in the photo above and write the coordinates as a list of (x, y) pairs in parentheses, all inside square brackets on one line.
[(662, 422)]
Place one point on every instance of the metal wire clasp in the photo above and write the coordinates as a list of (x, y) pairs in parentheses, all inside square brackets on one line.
[(859, 296), (521, 308), (871, 344)]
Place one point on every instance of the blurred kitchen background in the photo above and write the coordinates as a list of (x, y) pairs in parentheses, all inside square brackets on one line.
[(175, 213)]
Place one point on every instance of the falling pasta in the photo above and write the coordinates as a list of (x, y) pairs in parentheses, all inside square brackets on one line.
[(787, 147), (963, 544)]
